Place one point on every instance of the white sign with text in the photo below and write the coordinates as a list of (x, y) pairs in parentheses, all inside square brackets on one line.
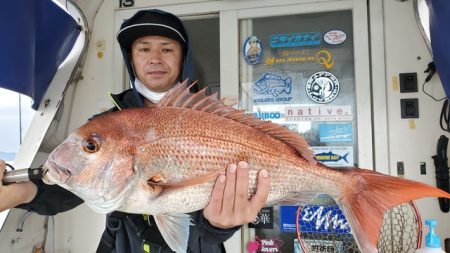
[(318, 113)]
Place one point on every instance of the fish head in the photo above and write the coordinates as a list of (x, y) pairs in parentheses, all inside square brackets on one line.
[(96, 163), (260, 86)]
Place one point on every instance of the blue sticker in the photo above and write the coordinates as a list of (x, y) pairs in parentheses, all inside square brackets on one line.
[(335, 133), (270, 115), (252, 50), (295, 39), (272, 88), (324, 219), (334, 156), (273, 84), (326, 157), (277, 88)]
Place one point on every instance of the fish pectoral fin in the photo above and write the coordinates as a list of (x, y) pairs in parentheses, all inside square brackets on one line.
[(174, 229), (194, 181)]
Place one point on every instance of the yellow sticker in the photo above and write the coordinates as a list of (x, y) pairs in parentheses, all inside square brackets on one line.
[(412, 124), (324, 58), (395, 86)]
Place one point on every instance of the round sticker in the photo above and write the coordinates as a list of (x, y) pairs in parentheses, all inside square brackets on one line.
[(252, 50), (322, 87), (335, 37)]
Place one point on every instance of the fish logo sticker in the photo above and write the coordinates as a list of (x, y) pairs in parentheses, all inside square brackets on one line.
[(334, 156), (252, 50), (273, 84), (334, 37), (322, 87), (276, 88), (331, 157)]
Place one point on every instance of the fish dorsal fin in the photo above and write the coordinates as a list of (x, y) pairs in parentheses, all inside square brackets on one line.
[(181, 97)]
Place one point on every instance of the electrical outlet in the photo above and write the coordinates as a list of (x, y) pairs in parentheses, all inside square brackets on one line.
[(423, 168), (408, 82), (400, 168), (409, 108)]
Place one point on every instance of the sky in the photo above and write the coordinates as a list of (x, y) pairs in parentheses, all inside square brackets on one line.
[(9, 119)]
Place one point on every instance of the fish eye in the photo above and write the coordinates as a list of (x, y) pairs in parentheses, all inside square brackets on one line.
[(91, 146)]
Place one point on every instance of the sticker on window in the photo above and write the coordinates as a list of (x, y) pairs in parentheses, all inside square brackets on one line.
[(252, 50)]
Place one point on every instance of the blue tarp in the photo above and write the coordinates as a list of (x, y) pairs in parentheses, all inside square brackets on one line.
[(35, 38), (440, 39)]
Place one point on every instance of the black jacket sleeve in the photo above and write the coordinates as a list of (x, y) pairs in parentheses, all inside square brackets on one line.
[(209, 238), (51, 199)]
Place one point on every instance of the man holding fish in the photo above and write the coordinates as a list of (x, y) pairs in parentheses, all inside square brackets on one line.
[(156, 51)]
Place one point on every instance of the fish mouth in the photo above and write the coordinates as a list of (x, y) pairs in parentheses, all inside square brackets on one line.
[(54, 173)]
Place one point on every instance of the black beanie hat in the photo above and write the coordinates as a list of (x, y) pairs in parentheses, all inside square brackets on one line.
[(151, 22)]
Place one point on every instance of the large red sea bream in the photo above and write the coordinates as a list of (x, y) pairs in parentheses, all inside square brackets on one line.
[(164, 161)]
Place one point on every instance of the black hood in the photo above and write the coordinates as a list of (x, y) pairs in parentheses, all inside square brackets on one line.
[(153, 22)]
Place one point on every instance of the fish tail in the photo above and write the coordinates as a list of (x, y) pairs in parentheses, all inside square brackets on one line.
[(288, 85), (367, 195), (345, 157)]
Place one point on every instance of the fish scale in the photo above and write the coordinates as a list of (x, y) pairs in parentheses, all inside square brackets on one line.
[(178, 164), (164, 161)]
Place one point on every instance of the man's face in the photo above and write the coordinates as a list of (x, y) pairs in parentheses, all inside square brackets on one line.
[(157, 61)]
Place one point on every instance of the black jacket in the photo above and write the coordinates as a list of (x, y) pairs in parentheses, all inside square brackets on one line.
[(130, 233)]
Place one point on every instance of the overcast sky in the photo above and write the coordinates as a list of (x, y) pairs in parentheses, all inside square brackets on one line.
[(9, 119)]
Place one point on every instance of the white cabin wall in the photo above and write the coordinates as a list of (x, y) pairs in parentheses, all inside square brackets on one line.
[(92, 91), (80, 229), (411, 141)]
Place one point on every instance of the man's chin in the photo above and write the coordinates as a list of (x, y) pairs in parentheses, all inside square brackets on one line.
[(159, 84)]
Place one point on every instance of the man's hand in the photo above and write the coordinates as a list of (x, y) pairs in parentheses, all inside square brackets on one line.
[(229, 205)]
